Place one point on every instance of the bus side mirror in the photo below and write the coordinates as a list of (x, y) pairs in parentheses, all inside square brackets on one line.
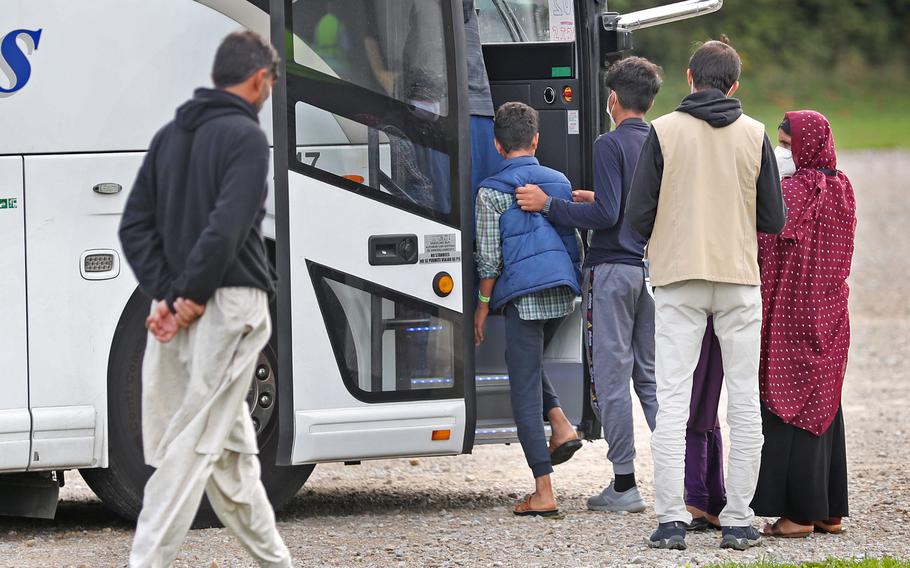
[(613, 41)]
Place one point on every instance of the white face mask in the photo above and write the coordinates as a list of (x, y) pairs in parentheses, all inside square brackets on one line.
[(610, 114), (785, 164)]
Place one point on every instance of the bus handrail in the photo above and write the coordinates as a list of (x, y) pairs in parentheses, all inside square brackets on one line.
[(664, 14)]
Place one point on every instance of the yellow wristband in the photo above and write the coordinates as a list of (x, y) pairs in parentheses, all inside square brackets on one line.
[(483, 298)]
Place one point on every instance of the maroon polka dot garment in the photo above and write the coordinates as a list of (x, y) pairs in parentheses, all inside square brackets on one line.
[(804, 270)]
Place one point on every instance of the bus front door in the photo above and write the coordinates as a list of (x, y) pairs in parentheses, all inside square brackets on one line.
[(375, 269), (15, 418), (536, 52)]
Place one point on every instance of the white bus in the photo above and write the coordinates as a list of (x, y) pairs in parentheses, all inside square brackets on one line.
[(369, 224)]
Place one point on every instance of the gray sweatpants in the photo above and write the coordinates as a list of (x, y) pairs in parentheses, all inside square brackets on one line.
[(198, 433), (620, 332)]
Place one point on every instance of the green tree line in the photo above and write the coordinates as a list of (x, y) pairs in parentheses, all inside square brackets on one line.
[(849, 59)]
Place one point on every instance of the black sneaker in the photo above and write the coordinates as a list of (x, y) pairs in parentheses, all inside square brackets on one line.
[(740, 538), (671, 536)]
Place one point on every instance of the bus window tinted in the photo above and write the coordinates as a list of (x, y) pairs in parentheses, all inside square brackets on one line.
[(405, 166), (391, 47), (388, 345), (514, 21)]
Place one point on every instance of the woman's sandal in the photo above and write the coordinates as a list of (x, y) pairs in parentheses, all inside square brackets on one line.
[(524, 509), (829, 527), (774, 530), (565, 451)]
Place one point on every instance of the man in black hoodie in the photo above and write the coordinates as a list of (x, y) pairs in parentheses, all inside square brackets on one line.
[(705, 183), (191, 233)]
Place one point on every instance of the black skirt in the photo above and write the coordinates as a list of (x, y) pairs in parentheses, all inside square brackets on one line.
[(802, 477)]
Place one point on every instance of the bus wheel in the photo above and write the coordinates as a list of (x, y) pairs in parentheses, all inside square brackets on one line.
[(120, 485)]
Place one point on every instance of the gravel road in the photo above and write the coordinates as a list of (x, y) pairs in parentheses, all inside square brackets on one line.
[(455, 511)]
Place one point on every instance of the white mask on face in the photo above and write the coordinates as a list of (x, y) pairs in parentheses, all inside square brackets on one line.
[(785, 164), (610, 114)]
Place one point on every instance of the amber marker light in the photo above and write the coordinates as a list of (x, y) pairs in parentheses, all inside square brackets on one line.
[(567, 93), (441, 435), (443, 284), (354, 178)]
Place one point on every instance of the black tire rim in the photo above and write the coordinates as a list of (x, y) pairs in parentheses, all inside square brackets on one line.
[(263, 394)]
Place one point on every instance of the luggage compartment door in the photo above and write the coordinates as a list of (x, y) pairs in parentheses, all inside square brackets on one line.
[(15, 418)]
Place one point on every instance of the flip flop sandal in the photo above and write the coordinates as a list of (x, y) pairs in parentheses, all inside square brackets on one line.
[(774, 531), (699, 524), (565, 451), (822, 527), (524, 510)]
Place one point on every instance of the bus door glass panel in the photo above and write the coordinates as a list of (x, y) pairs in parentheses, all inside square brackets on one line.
[(15, 419), (374, 179)]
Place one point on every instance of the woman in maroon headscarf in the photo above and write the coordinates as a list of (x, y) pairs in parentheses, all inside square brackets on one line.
[(805, 338)]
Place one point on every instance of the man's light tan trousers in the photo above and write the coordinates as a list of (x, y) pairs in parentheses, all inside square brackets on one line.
[(198, 433)]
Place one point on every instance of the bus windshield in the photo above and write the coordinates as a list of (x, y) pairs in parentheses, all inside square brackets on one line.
[(525, 21)]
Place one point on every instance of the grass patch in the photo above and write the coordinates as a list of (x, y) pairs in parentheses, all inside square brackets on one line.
[(886, 562), (863, 116)]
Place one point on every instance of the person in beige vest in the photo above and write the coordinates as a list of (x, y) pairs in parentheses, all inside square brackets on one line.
[(706, 182)]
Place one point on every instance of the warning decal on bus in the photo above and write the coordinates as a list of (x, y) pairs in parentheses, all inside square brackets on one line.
[(440, 248)]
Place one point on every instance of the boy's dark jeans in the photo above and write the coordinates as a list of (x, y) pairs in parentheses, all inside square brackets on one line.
[(532, 394)]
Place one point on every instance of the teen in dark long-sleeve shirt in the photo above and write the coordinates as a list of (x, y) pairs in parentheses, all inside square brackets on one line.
[(615, 156)]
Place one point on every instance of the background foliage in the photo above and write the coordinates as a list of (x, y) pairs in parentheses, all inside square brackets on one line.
[(849, 59)]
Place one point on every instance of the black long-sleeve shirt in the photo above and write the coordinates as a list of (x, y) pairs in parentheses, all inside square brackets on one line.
[(615, 156), (192, 222)]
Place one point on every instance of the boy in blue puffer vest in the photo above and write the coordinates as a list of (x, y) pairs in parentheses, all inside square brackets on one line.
[(532, 270)]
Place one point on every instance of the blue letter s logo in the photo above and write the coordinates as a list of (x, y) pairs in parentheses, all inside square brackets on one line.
[(13, 62)]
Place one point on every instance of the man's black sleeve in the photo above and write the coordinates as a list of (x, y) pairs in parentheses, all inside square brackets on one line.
[(139, 238), (241, 195), (770, 209), (641, 208)]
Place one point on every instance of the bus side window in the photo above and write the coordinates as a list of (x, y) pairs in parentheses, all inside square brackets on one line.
[(379, 115)]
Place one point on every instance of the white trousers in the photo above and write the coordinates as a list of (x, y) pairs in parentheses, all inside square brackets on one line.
[(199, 435), (682, 310)]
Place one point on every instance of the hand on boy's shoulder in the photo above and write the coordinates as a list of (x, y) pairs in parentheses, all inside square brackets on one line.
[(531, 198)]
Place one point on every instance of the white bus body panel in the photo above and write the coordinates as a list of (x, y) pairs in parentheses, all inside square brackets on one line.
[(330, 424), (107, 74), (15, 421), (71, 319)]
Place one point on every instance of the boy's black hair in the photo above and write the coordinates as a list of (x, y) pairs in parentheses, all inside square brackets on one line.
[(636, 82), (239, 56), (785, 126), (515, 125), (715, 65)]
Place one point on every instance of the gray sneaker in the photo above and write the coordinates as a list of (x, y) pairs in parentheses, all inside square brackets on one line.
[(740, 538), (609, 499)]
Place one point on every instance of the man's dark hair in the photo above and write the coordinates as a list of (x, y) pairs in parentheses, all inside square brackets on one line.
[(514, 126), (636, 82), (715, 65), (239, 56), (785, 126)]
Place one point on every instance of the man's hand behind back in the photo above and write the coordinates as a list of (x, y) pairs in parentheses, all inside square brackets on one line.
[(165, 325), (188, 311), (162, 323)]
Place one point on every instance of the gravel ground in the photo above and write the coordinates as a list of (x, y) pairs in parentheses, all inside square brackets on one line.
[(456, 511)]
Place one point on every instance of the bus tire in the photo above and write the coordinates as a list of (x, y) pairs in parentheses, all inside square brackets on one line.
[(120, 485)]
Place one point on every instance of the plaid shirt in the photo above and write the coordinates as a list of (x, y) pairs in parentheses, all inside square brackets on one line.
[(546, 304)]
